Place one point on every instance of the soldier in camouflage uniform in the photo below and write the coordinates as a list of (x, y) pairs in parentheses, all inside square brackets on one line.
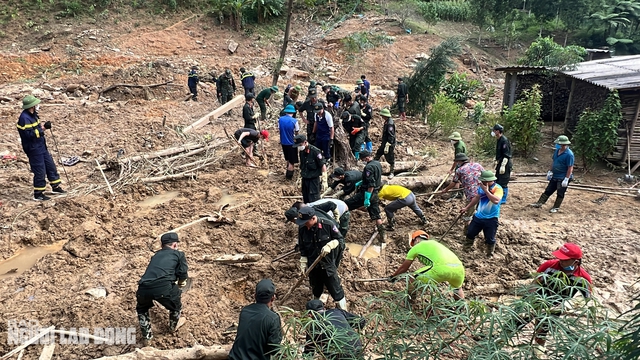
[(227, 86)]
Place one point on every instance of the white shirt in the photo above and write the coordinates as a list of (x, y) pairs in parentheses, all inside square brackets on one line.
[(341, 205)]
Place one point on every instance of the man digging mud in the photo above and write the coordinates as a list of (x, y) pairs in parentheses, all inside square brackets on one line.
[(367, 194), (348, 179), (248, 140), (332, 207), (159, 283)]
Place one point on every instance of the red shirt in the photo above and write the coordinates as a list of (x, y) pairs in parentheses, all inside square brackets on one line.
[(550, 265), (576, 282)]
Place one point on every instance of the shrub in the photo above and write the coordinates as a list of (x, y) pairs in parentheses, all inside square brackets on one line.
[(459, 88), (359, 42), (597, 132), (483, 143), (478, 113), (433, 11), (522, 122), (445, 114), (546, 52)]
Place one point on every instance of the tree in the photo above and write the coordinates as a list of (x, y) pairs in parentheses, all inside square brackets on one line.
[(424, 83), (522, 122), (545, 52), (481, 14), (285, 43)]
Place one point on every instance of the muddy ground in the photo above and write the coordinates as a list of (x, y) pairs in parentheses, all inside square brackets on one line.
[(107, 240)]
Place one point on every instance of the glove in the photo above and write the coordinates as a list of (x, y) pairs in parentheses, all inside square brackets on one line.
[(182, 283), (386, 148), (330, 142), (549, 175), (255, 116), (358, 183), (330, 246), (336, 105), (303, 264), (565, 182), (325, 182), (336, 214), (367, 199), (47, 125), (338, 194), (363, 114), (503, 166)]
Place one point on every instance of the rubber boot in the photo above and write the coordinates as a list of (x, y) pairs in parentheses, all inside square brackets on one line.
[(391, 173), (504, 197), (490, 249), (369, 146), (381, 234), (357, 155), (556, 205), (145, 326), (174, 317), (423, 220), (543, 199), (391, 224), (289, 174), (342, 304)]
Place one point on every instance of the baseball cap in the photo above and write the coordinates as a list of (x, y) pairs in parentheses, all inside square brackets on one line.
[(317, 108), (313, 93), (305, 214), (298, 140), (265, 290), (498, 127), (291, 214), (337, 172), (364, 154), (315, 305), (169, 238), (568, 251), (265, 134)]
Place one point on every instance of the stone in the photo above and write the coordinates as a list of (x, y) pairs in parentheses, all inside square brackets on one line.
[(333, 78), (72, 87), (233, 46), (97, 292), (48, 87), (422, 56), (293, 73), (470, 104)]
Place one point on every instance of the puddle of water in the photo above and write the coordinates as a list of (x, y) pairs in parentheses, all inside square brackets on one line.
[(25, 258), (373, 251), (158, 199)]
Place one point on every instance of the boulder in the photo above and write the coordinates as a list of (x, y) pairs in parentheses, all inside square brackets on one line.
[(233, 46)]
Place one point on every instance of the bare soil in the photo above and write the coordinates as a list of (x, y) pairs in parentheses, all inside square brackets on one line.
[(109, 240)]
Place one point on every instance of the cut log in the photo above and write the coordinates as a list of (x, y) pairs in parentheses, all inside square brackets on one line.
[(236, 101), (234, 259), (416, 182), (47, 351), (167, 177), (146, 87), (198, 352), (515, 176), (404, 166)]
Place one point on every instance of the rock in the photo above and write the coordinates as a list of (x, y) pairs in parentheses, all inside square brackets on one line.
[(293, 72), (470, 104), (48, 87), (422, 56), (72, 87), (97, 292), (466, 61), (284, 69), (39, 93), (233, 46), (331, 68)]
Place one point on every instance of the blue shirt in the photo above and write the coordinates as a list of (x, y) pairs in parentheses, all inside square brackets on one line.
[(324, 125), (487, 209), (561, 163), (288, 126)]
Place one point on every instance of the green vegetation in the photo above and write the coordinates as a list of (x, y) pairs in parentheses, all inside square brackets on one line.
[(434, 11), (484, 143), (459, 88), (359, 42), (597, 131), (424, 322), (545, 52), (445, 114), (522, 122)]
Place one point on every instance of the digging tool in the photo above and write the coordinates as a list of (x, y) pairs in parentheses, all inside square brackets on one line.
[(187, 286), (628, 177), (451, 227), (240, 146), (264, 154), (59, 156), (366, 246), (439, 186), (371, 280), (302, 278), (285, 255)]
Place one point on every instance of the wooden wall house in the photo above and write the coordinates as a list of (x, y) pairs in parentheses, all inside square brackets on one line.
[(588, 86)]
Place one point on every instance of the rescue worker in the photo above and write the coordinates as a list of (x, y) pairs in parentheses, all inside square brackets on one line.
[(163, 280), (259, 330), (332, 333), (388, 143), (248, 138), (353, 107), (318, 236), (34, 146), (310, 119), (332, 96), (361, 88), (289, 128), (338, 209), (227, 86), (367, 85), (440, 264), (290, 98), (193, 83), (366, 111), (263, 100), (247, 112), (312, 89), (312, 167), (354, 127), (248, 81), (485, 218), (367, 194), (402, 97), (348, 180), (215, 80), (466, 175), (324, 131), (559, 175), (400, 197), (504, 164), (458, 147)]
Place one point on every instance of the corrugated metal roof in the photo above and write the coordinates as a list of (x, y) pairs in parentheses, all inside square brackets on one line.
[(519, 68), (598, 50), (620, 72)]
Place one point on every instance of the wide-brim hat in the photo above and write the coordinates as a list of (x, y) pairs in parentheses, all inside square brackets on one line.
[(29, 101), (461, 157), (487, 175), (455, 136), (385, 112), (274, 88), (289, 109), (562, 140)]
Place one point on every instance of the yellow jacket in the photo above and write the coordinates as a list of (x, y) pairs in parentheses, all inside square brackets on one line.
[(393, 192)]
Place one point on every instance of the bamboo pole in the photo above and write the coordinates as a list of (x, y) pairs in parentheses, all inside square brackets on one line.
[(366, 246), (27, 343)]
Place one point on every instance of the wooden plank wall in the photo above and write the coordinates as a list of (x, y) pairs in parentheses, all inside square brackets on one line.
[(630, 102)]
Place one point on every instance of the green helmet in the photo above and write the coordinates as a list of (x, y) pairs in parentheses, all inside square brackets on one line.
[(274, 88), (30, 101), (562, 140), (359, 82), (385, 112)]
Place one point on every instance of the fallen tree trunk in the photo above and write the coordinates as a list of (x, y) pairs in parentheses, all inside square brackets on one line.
[(215, 114), (403, 166), (234, 259), (198, 352), (109, 88), (416, 182)]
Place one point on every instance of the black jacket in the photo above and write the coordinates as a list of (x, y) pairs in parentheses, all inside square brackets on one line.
[(372, 176), (311, 163), (351, 177), (259, 334), (337, 325), (311, 241), (247, 115), (166, 266)]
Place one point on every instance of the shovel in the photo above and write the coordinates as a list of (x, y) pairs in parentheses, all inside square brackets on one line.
[(438, 188), (451, 227)]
